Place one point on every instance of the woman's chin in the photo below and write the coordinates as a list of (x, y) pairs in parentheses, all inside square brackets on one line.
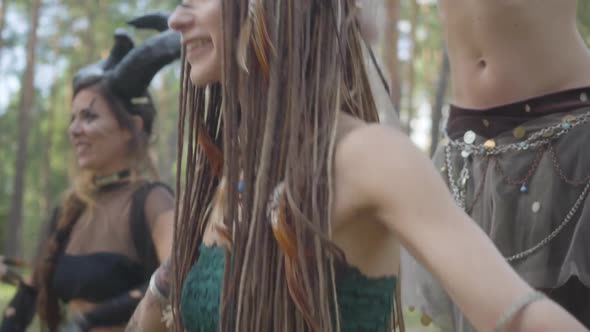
[(198, 81), (202, 77), (85, 165)]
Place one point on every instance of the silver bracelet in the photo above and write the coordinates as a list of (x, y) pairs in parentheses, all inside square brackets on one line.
[(515, 308), (154, 289)]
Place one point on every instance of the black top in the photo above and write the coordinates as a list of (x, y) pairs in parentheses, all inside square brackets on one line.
[(96, 277)]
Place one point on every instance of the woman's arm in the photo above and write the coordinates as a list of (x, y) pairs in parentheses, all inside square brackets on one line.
[(20, 310), (22, 307), (153, 312), (403, 189), (162, 235), (158, 211)]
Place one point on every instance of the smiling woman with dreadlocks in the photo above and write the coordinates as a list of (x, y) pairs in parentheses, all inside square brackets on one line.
[(114, 226), (296, 201)]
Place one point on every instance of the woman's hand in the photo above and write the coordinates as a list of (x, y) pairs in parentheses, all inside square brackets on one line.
[(153, 314), (78, 324), (7, 270)]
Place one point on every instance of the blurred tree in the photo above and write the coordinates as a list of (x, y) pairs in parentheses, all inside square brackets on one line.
[(439, 100), (13, 240), (390, 49), (3, 9), (411, 66)]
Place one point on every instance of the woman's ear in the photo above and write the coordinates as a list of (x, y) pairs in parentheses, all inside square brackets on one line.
[(137, 123)]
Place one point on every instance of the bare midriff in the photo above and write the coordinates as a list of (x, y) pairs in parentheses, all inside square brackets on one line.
[(503, 51)]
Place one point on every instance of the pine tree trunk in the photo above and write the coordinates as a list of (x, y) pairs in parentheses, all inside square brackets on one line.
[(411, 72), (14, 233), (91, 35), (390, 50), (46, 170), (3, 9), (441, 91)]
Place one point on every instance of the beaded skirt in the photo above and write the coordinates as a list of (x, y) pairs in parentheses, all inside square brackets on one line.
[(526, 185)]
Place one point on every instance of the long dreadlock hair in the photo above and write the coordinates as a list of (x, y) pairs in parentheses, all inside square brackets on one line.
[(295, 66)]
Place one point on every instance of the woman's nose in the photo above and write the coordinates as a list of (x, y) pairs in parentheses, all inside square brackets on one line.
[(75, 128), (180, 18)]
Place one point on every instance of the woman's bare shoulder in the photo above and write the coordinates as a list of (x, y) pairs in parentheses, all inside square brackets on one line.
[(384, 168), (360, 142)]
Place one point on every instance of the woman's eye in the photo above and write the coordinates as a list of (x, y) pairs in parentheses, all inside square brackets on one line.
[(88, 116)]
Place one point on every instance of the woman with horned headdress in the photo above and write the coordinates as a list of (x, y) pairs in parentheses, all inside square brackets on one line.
[(114, 226), (296, 201)]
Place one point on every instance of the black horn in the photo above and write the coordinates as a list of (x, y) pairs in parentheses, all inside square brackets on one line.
[(123, 44), (155, 20), (93, 73), (132, 76)]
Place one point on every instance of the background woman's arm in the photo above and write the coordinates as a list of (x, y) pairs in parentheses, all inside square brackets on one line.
[(153, 312)]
